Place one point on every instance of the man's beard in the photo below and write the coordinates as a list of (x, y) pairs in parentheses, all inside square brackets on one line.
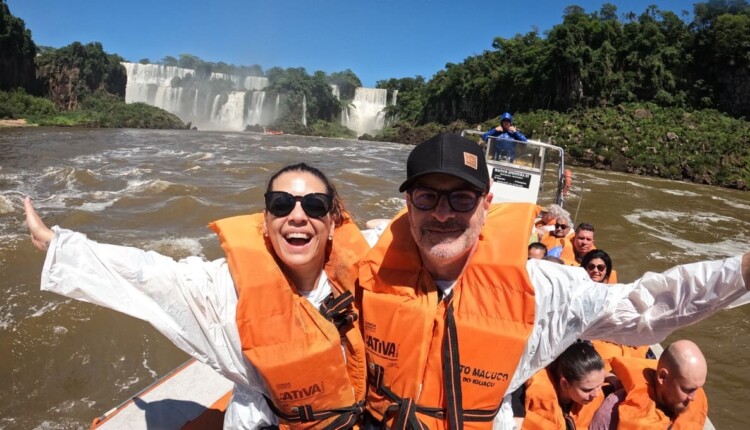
[(447, 246)]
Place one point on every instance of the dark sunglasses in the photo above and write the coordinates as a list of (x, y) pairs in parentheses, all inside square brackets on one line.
[(562, 226), (600, 267), (425, 198), (315, 205)]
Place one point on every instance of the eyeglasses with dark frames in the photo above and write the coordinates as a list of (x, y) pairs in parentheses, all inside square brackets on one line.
[(281, 203), (461, 200)]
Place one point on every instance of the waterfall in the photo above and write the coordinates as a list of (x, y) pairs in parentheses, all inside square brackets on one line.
[(255, 110), (255, 82), (192, 99), (304, 110), (230, 114), (365, 114), (276, 107), (395, 97), (335, 91)]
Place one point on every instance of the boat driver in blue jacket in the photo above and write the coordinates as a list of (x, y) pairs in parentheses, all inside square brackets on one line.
[(506, 133)]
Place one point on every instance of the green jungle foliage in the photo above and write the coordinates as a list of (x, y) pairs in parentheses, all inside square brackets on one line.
[(597, 60), (17, 104), (97, 110), (76, 71), (17, 52)]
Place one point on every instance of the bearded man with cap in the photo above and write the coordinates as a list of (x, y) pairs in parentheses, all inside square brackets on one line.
[(454, 317)]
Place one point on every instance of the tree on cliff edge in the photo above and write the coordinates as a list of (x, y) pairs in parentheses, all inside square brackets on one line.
[(17, 52), (75, 71)]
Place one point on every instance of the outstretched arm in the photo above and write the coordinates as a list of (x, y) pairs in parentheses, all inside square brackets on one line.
[(41, 235)]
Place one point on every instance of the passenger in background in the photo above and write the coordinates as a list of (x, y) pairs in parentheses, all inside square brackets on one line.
[(598, 265), (568, 392), (506, 133), (667, 394), (537, 250), (555, 239), (582, 242)]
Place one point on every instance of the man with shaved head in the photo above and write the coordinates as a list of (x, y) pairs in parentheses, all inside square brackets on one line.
[(657, 394)]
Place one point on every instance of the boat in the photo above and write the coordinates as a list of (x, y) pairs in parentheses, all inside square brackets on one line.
[(269, 132), (193, 396)]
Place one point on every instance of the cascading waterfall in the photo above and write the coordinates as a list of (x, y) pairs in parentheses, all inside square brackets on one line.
[(177, 90), (304, 110), (196, 100), (366, 113), (255, 108)]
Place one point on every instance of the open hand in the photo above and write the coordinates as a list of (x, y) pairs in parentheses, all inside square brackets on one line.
[(41, 235)]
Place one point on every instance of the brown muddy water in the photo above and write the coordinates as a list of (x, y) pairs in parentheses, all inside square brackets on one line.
[(64, 362)]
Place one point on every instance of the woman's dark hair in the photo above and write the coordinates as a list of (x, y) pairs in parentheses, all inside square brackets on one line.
[(337, 209), (576, 362), (593, 255)]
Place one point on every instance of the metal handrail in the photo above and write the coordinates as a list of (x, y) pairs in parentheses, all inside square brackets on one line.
[(559, 200)]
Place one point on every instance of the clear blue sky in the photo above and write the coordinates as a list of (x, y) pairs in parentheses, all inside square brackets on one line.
[(377, 39)]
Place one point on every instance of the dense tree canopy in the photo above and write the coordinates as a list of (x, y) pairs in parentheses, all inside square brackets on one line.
[(17, 52), (75, 71), (597, 59)]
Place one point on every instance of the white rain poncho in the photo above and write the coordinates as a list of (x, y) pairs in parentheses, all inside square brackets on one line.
[(192, 302)]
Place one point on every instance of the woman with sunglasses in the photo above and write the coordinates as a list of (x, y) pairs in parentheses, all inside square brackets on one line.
[(598, 265), (276, 317), (566, 394)]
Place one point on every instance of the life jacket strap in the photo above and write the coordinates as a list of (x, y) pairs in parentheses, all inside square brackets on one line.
[(452, 368), (338, 310), (346, 417), (406, 409)]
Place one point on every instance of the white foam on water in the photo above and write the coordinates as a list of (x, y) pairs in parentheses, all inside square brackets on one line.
[(204, 156), (96, 207), (301, 150), (732, 203), (6, 205), (681, 193), (58, 329), (179, 247), (44, 309), (702, 220), (125, 385), (147, 367)]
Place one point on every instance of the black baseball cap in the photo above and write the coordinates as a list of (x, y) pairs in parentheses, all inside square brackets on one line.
[(449, 154)]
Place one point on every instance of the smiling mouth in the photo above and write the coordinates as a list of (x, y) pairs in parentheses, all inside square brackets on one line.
[(297, 238)]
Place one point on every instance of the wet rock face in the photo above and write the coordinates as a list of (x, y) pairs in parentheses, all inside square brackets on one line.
[(61, 85)]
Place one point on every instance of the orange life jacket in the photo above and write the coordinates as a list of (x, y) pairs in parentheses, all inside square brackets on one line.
[(543, 411), (428, 359), (639, 411), (295, 347), (609, 350), (551, 241), (612, 277)]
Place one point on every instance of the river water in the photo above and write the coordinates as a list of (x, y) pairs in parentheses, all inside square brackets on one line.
[(64, 362)]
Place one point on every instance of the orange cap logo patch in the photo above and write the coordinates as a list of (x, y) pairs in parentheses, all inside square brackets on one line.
[(470, 160)]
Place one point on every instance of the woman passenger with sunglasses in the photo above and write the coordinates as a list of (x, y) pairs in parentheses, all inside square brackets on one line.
[(598, 265), (276, 317)]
